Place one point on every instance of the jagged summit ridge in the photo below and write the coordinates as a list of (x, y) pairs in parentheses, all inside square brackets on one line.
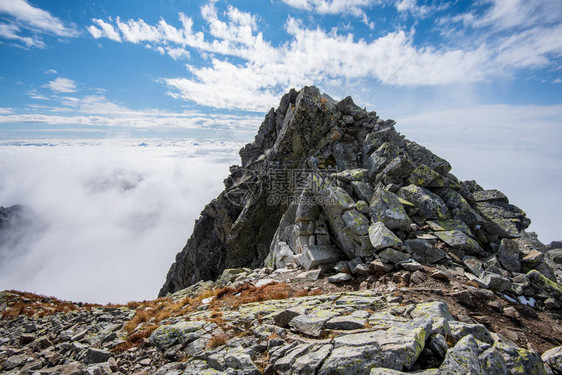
[(363, 189)]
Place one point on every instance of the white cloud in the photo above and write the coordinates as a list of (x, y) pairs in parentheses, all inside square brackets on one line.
[(114, 211), (508, 14), (177, 53), (61, 84), (518, 34), (317, 57), (11, 32), (557, 80), (531, 48), (261, 72), (4, 111), (34, 94), (51, 71), (105, 30), (354, 7), (23, 16)]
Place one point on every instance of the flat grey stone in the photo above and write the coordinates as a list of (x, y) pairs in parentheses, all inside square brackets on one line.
[(424, 252), (316, 255), (553, 358), (339, 278), (347, 322), (393, 256), (96, 356)]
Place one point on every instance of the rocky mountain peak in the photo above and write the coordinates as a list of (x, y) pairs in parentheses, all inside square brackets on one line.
[(337, 246), (327, 181)]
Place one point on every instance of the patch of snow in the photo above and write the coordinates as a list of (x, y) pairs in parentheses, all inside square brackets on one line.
[(207, 300), (527, 301)]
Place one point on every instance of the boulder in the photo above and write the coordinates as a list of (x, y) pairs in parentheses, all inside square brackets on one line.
[(462, 359), (503, 219), (378, 160), (429, 204), (508, 255), (395, 348), (459, 207), (316, 255), (336, 201), (459, 240), (478, 331), (381, 237), (356, 222), (340, 278), (423, 176), (386, 207), (390, 255), (448, 225), (545, 285), (179, 333), (96, 356), (346, 323), (495, 282), (312, 324), (376, 139), (14, 361), (363, 190), (520, 361), (396, 170), (284, 317), (422, 156), (345, 155), (424, 252), (490, 196), (356, 175)]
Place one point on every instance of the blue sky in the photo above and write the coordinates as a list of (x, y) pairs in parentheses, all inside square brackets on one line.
[(106, 68)]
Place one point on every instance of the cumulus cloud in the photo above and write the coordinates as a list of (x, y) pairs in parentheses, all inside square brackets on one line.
[(116, 212), (22, 16), (105, 30), (61, 84), (261, 71)]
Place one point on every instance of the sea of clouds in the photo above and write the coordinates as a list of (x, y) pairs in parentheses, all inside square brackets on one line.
[(110, 216)]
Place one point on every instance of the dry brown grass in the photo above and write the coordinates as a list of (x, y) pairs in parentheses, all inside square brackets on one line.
[(261, 362), (233, 298), (155, 311), (136, 339), (133, 304), (149, 314), (37, 305), (216, 341), (273, 336)]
